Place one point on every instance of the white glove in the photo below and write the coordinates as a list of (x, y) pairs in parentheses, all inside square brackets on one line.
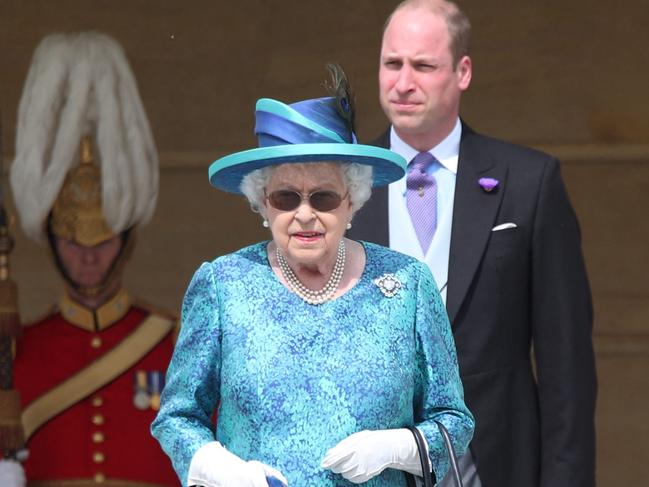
[(12, 474), (365, 454), (214, 466)]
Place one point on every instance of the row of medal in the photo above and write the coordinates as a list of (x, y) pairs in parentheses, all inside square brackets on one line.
[(147, 386)]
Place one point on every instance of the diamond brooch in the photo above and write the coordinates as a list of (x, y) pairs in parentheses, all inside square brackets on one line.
[(388, 284)]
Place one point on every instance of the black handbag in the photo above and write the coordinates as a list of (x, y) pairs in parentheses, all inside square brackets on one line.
[(428, 478)]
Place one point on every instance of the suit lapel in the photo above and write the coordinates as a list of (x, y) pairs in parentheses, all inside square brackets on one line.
[(372, 223), (474, 214)]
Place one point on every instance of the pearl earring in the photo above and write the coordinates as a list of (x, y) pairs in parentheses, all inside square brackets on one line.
[(348, 226), (265, 223)]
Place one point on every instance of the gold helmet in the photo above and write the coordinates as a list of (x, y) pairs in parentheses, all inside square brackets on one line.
[(86, 166), (77, 213), (80, 86)]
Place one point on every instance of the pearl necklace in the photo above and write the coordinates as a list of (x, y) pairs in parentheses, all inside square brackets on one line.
[(309, 295)]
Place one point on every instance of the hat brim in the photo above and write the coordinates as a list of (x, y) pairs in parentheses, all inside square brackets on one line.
[(226, 173)]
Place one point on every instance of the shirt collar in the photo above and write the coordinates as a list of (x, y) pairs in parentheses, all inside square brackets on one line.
[(99, 319), (446, 152)]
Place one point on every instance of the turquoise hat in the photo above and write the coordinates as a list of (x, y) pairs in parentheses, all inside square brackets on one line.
[(316, 130)]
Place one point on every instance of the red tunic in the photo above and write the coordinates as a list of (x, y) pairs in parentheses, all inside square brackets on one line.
[(103, 436)]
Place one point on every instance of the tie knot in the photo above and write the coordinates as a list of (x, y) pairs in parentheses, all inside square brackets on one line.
[(422, 161), (418, 174)]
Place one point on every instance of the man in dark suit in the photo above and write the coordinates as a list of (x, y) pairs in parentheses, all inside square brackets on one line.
[(494, 223)]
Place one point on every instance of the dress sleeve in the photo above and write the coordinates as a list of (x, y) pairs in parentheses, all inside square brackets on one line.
[(192, 387), (439, 395)]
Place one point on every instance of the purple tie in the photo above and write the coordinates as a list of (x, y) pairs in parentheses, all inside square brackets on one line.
[(421, 198)]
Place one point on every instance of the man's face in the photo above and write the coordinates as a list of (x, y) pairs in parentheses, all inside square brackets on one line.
[(88, 266), (419, 87)]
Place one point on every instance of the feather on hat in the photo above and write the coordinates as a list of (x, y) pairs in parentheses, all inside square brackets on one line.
[(82, 84)]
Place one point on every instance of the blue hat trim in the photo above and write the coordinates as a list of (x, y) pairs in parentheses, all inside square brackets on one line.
[(272, 130), (306, 131), (268, 112)]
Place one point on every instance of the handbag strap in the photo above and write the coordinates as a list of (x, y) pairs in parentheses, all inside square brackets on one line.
[(426, 468), (452, 457), (425, 461)]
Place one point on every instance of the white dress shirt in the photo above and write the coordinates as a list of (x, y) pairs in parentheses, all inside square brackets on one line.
[(402, 231)]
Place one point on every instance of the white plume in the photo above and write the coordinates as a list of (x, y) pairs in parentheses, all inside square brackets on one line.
[(82, 84)]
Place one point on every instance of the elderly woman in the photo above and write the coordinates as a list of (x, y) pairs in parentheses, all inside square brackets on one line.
[(318, 350)]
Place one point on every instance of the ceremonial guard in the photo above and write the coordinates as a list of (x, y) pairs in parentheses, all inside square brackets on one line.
[(85, 175)]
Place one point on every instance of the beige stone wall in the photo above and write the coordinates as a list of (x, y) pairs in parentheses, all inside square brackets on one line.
[(568, 77)]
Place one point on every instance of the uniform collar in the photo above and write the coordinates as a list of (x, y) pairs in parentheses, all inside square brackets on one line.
[(98, 319)]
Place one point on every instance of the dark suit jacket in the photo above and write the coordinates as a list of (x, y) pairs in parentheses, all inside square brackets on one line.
[(509, 292)]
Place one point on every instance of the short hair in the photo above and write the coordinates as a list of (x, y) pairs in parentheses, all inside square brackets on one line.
[(357, 179), (459, 27)]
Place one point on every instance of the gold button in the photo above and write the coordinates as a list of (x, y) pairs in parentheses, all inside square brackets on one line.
[(95, 342), (98, 457), (98, 437), (97, 419), (97, 401), (99, 477)]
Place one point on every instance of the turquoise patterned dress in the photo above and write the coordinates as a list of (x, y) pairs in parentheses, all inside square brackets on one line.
[(293, 379)]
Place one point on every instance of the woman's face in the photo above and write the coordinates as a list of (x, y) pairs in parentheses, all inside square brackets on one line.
[(307, 236)]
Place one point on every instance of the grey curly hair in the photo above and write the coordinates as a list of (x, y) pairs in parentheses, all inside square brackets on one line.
[(357, 179)]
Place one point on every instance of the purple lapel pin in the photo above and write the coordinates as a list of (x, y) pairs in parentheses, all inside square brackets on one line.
[(488, 184)]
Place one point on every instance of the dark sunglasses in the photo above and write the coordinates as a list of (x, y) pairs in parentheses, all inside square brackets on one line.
[(288, 200)]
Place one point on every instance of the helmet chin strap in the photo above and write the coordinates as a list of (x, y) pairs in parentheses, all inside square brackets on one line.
[(114, 272)]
